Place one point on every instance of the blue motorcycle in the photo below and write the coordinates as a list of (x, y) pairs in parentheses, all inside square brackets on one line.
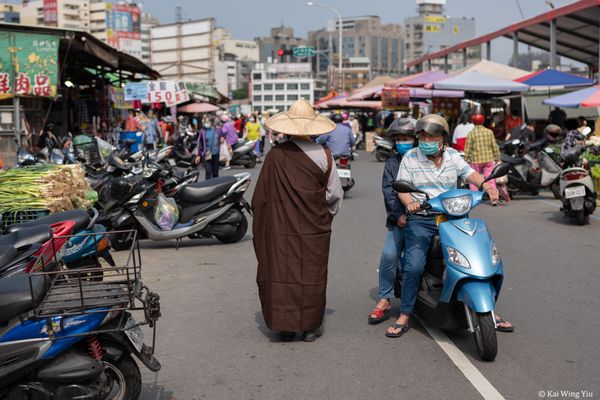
[(463, 273), (64, 337)]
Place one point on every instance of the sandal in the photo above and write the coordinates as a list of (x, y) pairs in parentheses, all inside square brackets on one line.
[(510, 328), (380, 315), (403, 330)]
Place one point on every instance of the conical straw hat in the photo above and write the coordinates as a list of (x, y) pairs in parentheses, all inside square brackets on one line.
[(300, 120)]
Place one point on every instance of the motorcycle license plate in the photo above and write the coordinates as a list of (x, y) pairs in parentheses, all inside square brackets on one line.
[(577, 191), (344, 173), (171, 162), (135, 334)]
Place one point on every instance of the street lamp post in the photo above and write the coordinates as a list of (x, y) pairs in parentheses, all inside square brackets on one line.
[(339, 16)]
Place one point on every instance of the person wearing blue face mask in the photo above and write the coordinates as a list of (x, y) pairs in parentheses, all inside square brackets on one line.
[(434, 169), (402, 131)]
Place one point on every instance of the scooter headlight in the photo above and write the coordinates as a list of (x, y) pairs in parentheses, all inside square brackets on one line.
[(456, 257), (458, 205), (495, 256)]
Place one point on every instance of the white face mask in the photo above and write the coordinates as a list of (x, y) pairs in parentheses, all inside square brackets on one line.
[(252, 119)]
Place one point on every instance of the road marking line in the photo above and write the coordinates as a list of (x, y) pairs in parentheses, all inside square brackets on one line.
[(479, 382), (558, 206)]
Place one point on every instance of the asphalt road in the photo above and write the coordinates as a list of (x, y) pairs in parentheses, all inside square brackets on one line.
[(213, 344)]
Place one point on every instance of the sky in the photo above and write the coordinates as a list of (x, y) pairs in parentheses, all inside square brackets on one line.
[(247, 19)]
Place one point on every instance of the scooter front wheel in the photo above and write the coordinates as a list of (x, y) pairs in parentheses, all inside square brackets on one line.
[(485, 335), (121, 241)]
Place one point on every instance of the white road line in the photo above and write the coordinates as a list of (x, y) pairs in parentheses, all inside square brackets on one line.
[(558, 206), (479, 382)]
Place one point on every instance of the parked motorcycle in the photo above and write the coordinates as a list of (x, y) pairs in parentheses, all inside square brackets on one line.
[(578, 197), (344, 172), (63, 337), (384, 148), (464, 273), (532, 168), (244, 154), (212, 208)]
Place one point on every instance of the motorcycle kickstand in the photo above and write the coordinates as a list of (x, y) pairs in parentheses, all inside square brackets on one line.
[(178, 243)]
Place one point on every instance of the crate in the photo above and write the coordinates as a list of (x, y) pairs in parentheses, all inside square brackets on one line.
[(18, 217), (86, 150)]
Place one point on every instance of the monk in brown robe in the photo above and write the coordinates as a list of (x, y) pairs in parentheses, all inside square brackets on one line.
[(297, 194)]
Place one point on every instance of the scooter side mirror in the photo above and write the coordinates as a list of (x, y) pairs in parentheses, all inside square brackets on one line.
[(498, 171), (407, 187)]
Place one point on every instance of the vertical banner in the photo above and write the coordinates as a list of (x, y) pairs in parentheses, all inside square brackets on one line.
[(51, 12), (28, 64)]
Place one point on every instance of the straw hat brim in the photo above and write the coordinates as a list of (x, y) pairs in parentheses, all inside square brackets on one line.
[(300, 125)]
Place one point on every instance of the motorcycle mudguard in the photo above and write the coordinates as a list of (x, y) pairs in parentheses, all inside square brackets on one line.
[(70, 367), (480, 296), (124, 220), (118, 343)]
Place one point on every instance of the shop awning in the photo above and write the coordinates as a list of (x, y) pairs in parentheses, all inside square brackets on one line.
[(551, 77), (420, 79), (415, 92), (474, 81), (81, 50)]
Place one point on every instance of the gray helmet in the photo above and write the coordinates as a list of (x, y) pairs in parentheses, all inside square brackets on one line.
[(433, 124), (402, 126)]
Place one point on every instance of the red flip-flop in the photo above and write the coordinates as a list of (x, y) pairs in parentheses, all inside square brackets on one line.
[(381, 315)]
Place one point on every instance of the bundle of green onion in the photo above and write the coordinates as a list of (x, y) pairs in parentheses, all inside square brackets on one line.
[(52, 187)]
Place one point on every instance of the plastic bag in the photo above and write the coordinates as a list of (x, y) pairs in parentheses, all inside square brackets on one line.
[(166, 213)]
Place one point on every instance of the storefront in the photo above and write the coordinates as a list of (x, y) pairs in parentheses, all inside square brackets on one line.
[(67, 78)]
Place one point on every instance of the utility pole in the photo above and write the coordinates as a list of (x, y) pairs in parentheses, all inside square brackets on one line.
[(178, 20)]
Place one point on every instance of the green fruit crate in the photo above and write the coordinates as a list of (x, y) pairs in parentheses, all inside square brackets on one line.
[(8, 218)]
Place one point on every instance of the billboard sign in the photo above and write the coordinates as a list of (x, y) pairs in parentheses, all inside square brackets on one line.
[(123, 28), (51, 12), (395, 99)]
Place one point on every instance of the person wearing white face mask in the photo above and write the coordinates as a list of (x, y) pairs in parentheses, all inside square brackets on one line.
[(252, 132), (208, 148)]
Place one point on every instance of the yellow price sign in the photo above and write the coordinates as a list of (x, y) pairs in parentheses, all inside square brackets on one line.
[(455, 29)]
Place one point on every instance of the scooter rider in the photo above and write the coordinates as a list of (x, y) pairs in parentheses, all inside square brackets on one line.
[(402, 131), (434, 169), (340, 141)]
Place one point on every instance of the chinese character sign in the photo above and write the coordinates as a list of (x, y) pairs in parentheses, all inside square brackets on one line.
[(395, 99), (28, 64)]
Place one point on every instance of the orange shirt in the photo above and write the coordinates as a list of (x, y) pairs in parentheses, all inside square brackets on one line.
[(512, 122)]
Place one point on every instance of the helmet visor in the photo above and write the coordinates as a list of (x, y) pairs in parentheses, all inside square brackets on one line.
[(431, 128)]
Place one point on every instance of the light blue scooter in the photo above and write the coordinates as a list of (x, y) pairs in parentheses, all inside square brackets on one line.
[(463, 274)]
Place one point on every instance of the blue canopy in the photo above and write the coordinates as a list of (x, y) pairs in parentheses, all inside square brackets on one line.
[(551, 77), (573, 99)]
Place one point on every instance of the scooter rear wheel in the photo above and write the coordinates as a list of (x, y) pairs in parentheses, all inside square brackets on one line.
[(124, 377), (239, 234), (485, 336), (582, 218)]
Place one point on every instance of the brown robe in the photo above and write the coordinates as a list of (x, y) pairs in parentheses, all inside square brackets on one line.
[(291, 229)]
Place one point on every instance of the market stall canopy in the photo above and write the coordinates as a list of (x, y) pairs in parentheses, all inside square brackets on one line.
[(586, 98), (332, 93), (198, 108), (495, 69), (422, 79), (205, 91), (550, 77), (377, 81), (327, 103), (415, 92), (80, 49), (474, 81)]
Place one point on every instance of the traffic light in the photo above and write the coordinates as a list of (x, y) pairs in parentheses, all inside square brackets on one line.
[(285, 52)]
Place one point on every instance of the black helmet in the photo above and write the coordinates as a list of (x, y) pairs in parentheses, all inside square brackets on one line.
[(337, 118), (433, 124), (50, 127), (402, 126)]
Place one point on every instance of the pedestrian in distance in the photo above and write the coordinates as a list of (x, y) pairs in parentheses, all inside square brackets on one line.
[(481, 150), (208, 148), (252, 132), (297, 194), (403, 132)]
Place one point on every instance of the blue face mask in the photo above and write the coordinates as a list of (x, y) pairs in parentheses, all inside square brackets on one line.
[(429, 148), (403, 147)]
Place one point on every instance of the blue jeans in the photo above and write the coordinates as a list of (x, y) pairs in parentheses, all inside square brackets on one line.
[(212, 167), (418, 234), (388, 264)]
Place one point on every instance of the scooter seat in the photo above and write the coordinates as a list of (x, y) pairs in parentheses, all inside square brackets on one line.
[(203, 192), (7, 254), (511, 160), (27, 236), (81, 218), (17, 296)]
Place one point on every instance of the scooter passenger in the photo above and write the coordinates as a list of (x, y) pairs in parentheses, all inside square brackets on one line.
[(435, 169)]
